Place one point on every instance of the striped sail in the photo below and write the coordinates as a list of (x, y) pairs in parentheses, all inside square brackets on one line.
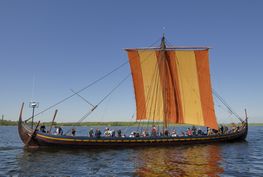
[(173, 86)]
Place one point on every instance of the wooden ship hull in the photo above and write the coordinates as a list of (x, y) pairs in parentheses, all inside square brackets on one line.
[(161, 78), (32, 139)]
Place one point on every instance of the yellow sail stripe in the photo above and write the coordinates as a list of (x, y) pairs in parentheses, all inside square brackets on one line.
[(152, 91), (189, 87)]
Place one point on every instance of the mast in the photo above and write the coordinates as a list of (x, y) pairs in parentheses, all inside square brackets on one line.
[(163, 43), (164, 60)]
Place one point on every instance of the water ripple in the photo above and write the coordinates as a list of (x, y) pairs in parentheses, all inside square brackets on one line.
[(230, 159)]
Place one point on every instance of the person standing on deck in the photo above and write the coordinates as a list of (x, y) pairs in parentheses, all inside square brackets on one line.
[(154, 131), (194, 130), (43, 128), (60, 131), (107, 132), (97, 133), (56, 130), (189, 132), (91, 132), (166, 132), (119, 133), (73, 131)]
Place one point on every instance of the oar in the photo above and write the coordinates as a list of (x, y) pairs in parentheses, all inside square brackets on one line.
[(56, 111), (31, 136)]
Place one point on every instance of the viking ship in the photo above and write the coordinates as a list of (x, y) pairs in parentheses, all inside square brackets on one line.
[(172, 85)]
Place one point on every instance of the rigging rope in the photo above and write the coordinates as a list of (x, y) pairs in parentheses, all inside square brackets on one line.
[(148, 104), (102, 100), (84, 99), (81, 90), (84, 88), (126, 129), (226, 105)]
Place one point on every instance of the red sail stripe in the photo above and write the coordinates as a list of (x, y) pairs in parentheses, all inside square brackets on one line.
[(203, 71), (165, 80), (136, 72), (176, 87), (169, 79)]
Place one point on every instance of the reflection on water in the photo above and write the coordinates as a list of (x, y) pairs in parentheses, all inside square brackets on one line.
[(76, 162), (197, 160)]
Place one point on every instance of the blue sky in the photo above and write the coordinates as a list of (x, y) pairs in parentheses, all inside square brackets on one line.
[(50, 47)]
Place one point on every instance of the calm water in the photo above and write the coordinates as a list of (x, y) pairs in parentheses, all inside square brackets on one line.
[(234, 159)]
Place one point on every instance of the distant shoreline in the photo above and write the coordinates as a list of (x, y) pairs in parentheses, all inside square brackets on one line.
[(14, 123)]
